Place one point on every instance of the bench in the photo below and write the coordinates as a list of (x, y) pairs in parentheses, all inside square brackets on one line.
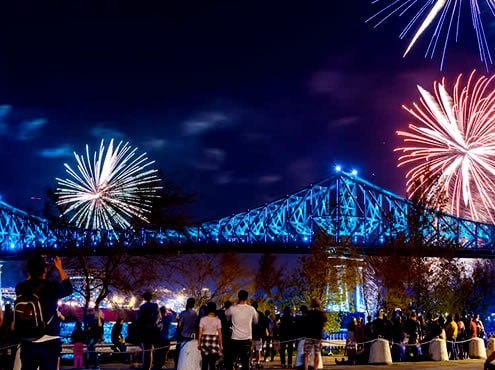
[(108, 348), (101, 348)]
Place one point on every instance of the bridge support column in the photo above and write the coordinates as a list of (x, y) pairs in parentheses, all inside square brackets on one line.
[(1, 295)]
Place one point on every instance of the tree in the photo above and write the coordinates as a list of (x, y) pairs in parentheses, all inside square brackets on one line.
[(195, 274), (119, 269), (475, 289), (167, 210), (231, 275), (216, 277), (268, 281), (406, 276), (95, 278), (329, 273)]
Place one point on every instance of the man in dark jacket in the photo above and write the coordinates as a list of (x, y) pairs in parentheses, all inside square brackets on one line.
[(149, 316), (315, 323), (287, 332), (44, 352)]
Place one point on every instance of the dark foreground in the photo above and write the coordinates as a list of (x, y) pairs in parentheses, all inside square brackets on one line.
[(329, 363)]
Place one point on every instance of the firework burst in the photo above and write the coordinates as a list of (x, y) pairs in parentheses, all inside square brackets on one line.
[(109, 188), (444, 18), (455, 141)]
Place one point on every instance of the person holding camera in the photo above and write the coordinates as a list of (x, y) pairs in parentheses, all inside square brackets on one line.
[(41, 347)]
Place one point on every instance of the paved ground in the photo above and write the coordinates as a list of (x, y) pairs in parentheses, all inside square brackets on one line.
[(329, 363)]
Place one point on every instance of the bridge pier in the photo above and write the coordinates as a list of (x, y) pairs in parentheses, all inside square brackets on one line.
[(1, 295)]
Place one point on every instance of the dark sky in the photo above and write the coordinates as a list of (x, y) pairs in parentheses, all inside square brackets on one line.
[(240, 102)]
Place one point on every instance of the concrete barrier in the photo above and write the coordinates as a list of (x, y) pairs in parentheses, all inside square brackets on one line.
[(380, 352), (437, 350), (477, 348)]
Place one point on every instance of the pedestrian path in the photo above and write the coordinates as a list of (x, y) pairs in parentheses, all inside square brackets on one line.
[(329, 363)]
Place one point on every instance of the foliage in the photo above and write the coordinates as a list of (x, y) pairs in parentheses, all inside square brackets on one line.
[(268, 282), (95, 278), (208, 277), (231, 275), (480, 288), (407, 278), (167, 209), (120, 270), (328, 274)]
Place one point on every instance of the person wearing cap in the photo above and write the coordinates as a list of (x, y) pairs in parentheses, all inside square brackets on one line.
[(43, 353)]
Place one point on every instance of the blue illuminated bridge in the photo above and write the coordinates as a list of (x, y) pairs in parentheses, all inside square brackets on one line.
[(350, 211)]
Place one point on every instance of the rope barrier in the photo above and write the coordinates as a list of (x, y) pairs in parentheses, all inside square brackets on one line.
[(8, 347), (411, 344), (357, 344)]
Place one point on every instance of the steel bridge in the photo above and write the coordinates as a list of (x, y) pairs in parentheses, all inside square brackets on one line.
[(348, 210)]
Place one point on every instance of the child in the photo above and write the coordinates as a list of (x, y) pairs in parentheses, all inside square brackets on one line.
[(77, 339)]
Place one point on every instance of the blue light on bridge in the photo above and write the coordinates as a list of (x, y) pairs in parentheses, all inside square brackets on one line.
[(343, 206)]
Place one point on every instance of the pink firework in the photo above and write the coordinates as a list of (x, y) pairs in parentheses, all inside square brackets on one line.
[(453, 139)]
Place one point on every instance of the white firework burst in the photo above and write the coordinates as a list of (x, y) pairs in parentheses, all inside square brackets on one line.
[(109, 189)]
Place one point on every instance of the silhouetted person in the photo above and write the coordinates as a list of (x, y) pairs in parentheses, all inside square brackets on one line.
[(315, 321), (186, 327), (44, 354), (148, 318)]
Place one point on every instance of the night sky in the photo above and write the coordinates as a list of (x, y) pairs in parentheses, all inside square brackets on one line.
[(239, 102)]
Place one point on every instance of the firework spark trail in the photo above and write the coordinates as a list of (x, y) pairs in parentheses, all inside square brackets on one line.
[(109, 188), (441, 15), (426, 23), (454, 140)]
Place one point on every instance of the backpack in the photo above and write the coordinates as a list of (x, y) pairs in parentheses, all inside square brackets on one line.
[(149, 317), (28, 316)]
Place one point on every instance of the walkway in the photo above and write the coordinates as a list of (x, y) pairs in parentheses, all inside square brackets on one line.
[(329, 363)]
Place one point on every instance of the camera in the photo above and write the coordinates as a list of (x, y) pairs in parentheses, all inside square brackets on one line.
[(49, 259)]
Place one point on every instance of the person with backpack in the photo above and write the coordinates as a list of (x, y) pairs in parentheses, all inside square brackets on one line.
[(36, 322)]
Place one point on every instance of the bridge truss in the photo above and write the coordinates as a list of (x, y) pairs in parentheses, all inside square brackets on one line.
[(349, 210)]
